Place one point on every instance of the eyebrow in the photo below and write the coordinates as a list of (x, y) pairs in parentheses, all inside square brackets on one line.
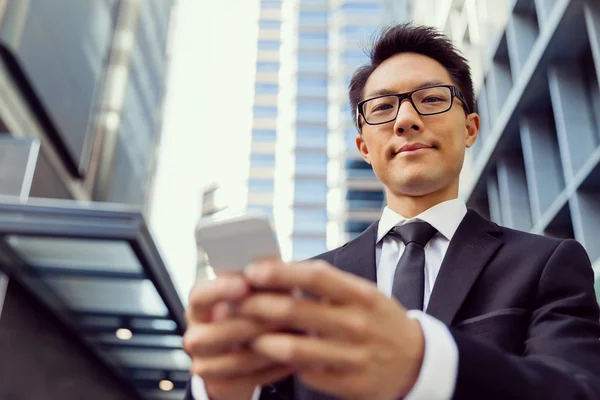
[(384, 92)]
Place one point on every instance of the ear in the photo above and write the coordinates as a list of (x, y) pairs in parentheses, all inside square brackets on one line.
[(362, 148), (472, 129)]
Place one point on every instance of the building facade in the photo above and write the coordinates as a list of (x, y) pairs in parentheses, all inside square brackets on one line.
[(536, 163), (305, 172), (87, 80)]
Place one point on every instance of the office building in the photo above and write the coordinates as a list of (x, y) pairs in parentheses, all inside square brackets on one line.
[(536, 164), (90, 311), (305, 172)]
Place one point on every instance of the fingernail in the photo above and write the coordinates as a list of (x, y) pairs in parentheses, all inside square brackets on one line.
[(255, 272), (236, 287)]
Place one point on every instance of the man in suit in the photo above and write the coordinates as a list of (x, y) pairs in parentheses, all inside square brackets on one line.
[(432, 301)]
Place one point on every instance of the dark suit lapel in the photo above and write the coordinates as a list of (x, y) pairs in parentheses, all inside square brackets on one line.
[(472, 246), (358, 255)]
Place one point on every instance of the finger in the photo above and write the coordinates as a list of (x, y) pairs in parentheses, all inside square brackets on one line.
[(218, 337), (260, 378), (336, 382), (314, 277), (346, 323), (309, 352), (230, 365), (207, 293)]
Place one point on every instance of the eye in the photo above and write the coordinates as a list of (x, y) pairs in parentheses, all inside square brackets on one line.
[(382, 107), (432, 99)]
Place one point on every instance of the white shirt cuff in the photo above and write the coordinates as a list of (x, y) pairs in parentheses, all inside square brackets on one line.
[(199, 391), (437, 378)]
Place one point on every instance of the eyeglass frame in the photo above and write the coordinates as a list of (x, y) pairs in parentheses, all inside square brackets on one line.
[(454, 92)]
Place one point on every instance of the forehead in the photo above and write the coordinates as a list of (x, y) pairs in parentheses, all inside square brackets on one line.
[(405, 72)]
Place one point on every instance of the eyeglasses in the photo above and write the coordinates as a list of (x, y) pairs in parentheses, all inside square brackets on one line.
[(426, 101)]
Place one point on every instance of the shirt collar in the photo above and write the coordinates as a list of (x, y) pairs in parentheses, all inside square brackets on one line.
[(445, 217)]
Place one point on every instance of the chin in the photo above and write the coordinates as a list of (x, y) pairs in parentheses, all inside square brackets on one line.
[(416, 186)]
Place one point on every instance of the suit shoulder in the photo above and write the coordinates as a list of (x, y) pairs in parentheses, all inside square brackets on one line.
[(531, 240)]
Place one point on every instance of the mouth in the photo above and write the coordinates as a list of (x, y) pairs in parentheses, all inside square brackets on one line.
[(411, 148)]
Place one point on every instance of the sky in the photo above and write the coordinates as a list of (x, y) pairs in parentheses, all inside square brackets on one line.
[(207, 112)]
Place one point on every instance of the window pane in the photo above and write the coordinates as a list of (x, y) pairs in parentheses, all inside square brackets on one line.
[(312, 111), (269, 44), (359, 169), (267, 66), (308, 62), (364, 200), (311, 137), (310, 220), (312, 87), (265, 112), (311, 164), (312, 40), (266, 88), (359, 32), (257, 185), (313, 18), (304, 248), (269, 4), (262, 160), (269, 24), (356, 226), (310, 192), (362, 9), (264, 135), (354, 57)]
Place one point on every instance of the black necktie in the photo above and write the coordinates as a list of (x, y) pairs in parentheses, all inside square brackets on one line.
[(409, 278)]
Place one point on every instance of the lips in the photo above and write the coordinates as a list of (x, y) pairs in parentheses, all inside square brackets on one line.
[(412, 147)]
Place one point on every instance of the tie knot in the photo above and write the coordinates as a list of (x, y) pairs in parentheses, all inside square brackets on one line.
[(414, 232)]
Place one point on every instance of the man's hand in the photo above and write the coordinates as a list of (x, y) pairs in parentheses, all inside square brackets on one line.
[(363, 345), (217, 341)]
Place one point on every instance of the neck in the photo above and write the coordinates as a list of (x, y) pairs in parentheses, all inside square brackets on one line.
[(411, 206)]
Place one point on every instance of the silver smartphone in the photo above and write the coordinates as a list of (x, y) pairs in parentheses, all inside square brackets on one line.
[(233, 243)]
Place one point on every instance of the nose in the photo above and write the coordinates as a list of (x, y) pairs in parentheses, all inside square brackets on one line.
[(408, 119)]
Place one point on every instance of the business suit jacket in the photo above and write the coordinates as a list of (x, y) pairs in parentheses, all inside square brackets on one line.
[(520, 307)]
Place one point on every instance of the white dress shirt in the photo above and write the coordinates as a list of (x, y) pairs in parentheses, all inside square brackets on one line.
[(437, 377)]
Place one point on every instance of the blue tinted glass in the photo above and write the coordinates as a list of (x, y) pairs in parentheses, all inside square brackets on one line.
[(356, 226), (312, 40), (269, 24), (270, 4), (364, 195), (266, 88), (311, 62), (260, 185), (313, 18), (364, 200), (355, 57), (313, 35), (311, 164), (269, 44), (304, 248), (267, 66), (359, 169), (362, 9), (262, 160), (310, 220), (265, 112), (310, 192), (311, 111), (311, 137), (264, 135), (351, 134), (312, 87)]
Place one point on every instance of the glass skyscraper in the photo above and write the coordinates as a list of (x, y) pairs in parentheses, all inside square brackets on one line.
[(304, 169)]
